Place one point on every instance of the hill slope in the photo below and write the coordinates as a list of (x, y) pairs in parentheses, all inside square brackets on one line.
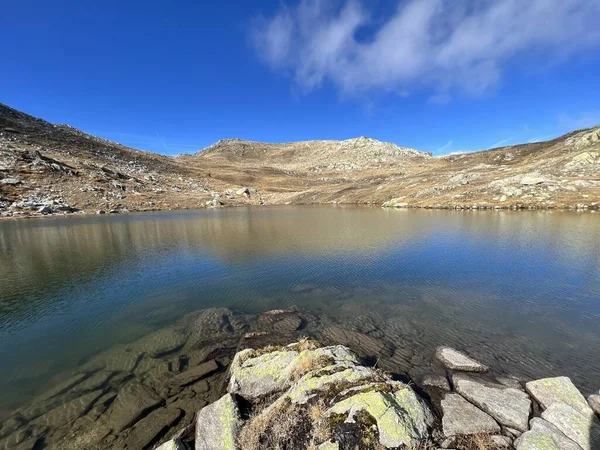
[(46, 168)]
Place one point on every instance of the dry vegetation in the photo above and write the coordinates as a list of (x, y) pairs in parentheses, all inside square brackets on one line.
[(42, 163)]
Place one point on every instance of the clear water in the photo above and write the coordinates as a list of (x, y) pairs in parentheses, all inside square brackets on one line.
[(520, 290)]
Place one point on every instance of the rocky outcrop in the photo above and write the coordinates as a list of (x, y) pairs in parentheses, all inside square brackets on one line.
[(461, 417), (218, 425), (318, 396)]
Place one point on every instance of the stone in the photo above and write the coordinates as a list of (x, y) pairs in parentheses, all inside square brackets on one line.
[(258, 376), (132, 402), (62, 387), (501, 441), (120, 358), (510, 407), (584, 429), (281, 320), (560, 389), (243, 191), (455, 360), (594, 402), (403, 419), (95, 381), (10, 425), (162, 341), (461, 417), (69, 411), (218, 425), (152, 426), (530, 180), (195, 373), (510, 382), (329, 446), (173, 444), (542, 431), (437, 381), (360, 342)]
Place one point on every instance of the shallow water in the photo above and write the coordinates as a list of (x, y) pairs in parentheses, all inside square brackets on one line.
[(519, 290)]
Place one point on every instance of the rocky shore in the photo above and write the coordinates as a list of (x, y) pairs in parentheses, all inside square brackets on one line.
[(220, 380)]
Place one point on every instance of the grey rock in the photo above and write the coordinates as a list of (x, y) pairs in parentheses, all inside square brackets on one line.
[(455, 360), (557, 390), (543, 431), (132, 402), (501, 441), (437, 381), (218, 425), (510, 407), (584, 429), (594, 402), (63, 386), (461, 417)]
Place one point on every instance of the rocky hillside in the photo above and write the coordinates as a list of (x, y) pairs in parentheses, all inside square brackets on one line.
[(56, 169)]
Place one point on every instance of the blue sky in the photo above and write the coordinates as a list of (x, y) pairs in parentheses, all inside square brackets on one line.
[(436, 75)]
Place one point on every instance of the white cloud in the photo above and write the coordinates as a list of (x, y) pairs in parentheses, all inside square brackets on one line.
[(444, 45)]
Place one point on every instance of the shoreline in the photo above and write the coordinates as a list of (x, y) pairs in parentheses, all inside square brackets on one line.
[(518, 207), (177, 371)]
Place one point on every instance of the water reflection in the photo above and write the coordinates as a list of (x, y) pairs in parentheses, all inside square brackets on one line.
[(524, 286)]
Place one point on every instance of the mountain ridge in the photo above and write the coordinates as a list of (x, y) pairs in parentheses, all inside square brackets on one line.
[(57, 169)]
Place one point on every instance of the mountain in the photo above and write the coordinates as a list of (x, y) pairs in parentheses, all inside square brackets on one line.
[(52, 169)]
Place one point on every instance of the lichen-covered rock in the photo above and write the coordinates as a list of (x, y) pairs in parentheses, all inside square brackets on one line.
[(174, 444), (402, 418), (218, 425), (557, 390), (455, 360), (510, 407), (543, 432), (584, 429), (329, 446), (255, 375), (461, 417)]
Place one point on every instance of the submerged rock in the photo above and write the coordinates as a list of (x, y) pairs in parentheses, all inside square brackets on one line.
[(557, 390), (455, 360), (132, 402), (510, 407), (218, 425), (151, 427), (461, 417)]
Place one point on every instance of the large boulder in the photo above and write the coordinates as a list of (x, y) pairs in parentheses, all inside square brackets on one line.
[(402, 418), (218, 425), (461, 417), (584, 429), (455, 360), (256, 374), (543, 435), (510, 407), (557, 390)]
